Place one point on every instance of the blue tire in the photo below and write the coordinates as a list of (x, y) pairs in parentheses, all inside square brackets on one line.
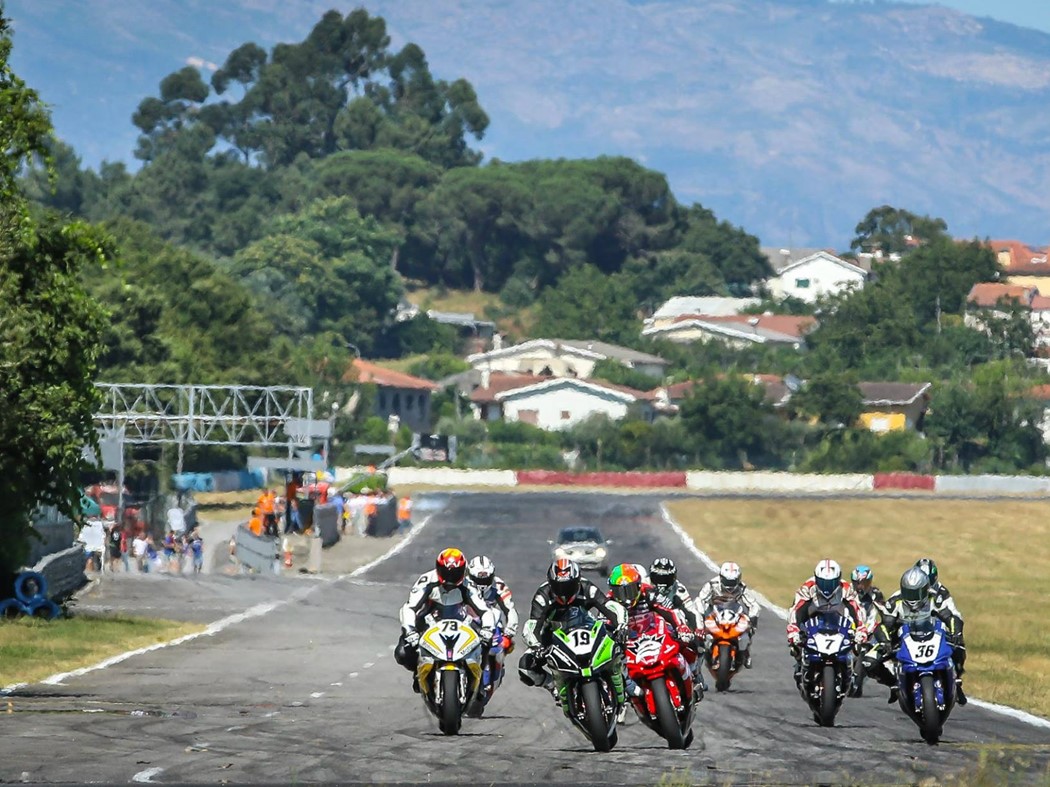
[(11, 608), (43, 608), (35, 581)]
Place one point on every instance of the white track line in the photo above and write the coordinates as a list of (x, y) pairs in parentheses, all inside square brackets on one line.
[(214, 628), (1004, 710)]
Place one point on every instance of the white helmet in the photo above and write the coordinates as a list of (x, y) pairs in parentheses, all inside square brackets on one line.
[(482, 570), (729, 576), (828, 575)]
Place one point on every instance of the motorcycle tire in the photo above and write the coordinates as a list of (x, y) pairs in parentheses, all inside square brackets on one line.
[(451, 714), (594, 717), (930, 719), (828, 697), (725, 669), (667, 717)]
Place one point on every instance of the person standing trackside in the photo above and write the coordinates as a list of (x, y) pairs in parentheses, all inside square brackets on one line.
[(404, 514)]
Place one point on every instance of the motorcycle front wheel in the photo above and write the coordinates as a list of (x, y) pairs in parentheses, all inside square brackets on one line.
[(667, 717), (594, 716), (726, 657), (451, 714), (828, 697), (930, 725)]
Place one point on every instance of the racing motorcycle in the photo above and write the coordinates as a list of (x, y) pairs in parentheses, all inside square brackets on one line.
[(492, 671), (581, 659), (655, 662), (926, 675), (856, 689), (827, 663), (450, 670), (724, 626)]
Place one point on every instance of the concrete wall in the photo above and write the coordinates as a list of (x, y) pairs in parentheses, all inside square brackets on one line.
[(768, 482)]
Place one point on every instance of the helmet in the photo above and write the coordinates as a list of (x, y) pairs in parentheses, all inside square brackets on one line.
[(663, 572), (828, 575), (451, 567), (482, 570), (915, 590), (626, 584), (862, 574), (927, 565), (564, 578), (729, 576)]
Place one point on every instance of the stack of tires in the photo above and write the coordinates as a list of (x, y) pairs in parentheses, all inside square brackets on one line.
[(30, 598)]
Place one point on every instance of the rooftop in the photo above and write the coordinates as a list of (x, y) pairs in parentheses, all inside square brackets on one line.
[(367, 372)]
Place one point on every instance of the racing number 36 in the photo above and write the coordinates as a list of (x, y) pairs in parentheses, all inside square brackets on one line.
[(581, 638), (925, 651)]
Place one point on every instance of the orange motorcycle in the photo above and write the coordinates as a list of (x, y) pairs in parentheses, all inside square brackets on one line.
[(727, 628)]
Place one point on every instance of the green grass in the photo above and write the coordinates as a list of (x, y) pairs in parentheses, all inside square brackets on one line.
[(994, 556), (32, 649)]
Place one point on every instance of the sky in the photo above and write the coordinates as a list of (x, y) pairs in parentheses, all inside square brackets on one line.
[(1025, 13)]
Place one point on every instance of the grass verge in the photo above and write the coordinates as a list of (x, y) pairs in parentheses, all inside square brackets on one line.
[(992, 555), (33, 649)]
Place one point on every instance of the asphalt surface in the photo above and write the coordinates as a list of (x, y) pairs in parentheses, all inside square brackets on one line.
[(309, 691)]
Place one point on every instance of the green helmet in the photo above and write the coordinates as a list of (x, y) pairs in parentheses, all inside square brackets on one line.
[(626, 584), (927, 565)]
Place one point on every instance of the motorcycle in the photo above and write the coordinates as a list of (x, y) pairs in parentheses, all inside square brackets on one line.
[(492, 671), (581, 659), (449, 670), (827, 663), (856, 688), (926, 676), (725, 625), (655, 662)]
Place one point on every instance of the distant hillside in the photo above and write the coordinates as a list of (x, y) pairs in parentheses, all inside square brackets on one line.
[(789, 117)]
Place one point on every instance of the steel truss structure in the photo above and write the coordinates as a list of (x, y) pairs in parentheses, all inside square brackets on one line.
[(206, 414)]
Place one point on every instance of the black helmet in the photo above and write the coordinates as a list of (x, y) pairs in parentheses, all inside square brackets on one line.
[(915, 589), (663, 572), (564, 578), (927, 565)]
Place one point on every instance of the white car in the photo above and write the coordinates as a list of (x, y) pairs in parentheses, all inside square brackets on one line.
[(585, 546)]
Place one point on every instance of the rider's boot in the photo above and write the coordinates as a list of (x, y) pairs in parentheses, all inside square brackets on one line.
[(894, 694), (960, 696), (415, 683), (747, 659), (633, 689)]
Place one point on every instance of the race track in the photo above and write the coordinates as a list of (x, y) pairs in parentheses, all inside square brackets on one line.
[(309, 691)]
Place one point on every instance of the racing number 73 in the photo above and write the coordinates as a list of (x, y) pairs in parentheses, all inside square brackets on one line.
[(581, 638)]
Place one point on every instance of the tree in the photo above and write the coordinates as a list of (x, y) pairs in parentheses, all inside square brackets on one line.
[(587, 304), (49, 334), (895, 231), (731, 421), (833, 399)]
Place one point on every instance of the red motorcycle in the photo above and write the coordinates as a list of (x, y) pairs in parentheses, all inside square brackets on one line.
[(656, 663)]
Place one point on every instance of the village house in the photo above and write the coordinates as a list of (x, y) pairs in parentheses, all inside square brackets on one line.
[(682, 305), (995, 299), (554, 402), (563, 358), (397, 393), (1022, 266), (735, 330), (812, 276)]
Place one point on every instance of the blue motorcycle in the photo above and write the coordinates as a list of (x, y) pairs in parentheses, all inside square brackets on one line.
[(827, 664), (926, 675), (492, 670)]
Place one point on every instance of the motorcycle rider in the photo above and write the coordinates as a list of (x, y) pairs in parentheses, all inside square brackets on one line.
[(905, 603), (825, 590), (637, 597), (870, 598), (564, 589), (482, 572), (669, 592), (729, 585), (443, 586)]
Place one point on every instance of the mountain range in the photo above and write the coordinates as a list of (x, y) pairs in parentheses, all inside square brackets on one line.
[(791, 118)]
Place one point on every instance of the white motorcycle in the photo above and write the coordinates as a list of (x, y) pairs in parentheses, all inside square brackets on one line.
[(449, 670)]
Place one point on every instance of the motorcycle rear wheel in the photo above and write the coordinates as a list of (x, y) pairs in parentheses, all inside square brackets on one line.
[(594, 717), (725, 668), (828, 697), (451, 714), (930, 725), (667, 717)]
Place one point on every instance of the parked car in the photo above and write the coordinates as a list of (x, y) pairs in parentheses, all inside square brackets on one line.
[(585, 545)]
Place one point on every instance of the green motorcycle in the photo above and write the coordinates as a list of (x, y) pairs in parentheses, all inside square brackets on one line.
[(585, 662)]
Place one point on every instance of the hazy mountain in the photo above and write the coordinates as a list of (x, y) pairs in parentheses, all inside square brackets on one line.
[(789, 117)]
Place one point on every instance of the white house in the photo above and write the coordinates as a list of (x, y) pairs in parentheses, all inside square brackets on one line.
[(818, 274), (735, 330), (554, 402), (563, 358), (681, 305)]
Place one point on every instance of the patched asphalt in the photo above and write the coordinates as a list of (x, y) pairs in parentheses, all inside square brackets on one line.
[(309, 691)]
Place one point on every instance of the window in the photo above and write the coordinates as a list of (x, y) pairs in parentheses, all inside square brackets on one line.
[(565, 416), (395, 402), (802, 284), (529, 416), (382, 401)]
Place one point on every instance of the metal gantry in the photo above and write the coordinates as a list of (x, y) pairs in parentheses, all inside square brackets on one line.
[(206, 414)]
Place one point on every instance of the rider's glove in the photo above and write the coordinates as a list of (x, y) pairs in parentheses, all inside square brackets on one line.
[(685, 636), (411, 638), (620, 635), (486, 635), (508, 644), (793, 635)]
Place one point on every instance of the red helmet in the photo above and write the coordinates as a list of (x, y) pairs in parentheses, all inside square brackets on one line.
[(451, 567), (564, 579)]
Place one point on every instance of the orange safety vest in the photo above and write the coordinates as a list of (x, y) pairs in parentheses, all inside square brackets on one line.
[(404, 508), (255, 524), (370, 507)]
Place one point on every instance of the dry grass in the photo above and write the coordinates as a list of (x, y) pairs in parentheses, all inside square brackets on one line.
[(454, 300), (32, 649), (994, 556)]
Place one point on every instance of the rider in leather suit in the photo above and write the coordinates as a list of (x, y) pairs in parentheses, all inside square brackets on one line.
[(444, 586), (497, 595), (730, 584)]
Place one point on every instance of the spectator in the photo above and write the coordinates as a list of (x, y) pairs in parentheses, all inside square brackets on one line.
[(197, 550), (357, 513), (153, 560), (176, 520), (125, 548), (293, 523), (138, 548), (115, 546), (268, 510), (255, 524), (169, 545), (371, 511), (404, 514), (345, 514)]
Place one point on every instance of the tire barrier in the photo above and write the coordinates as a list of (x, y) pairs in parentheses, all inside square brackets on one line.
[(30, 586), (630, 479), (11, 608), (384, 523), (926, 483), (43, 608), (326, 519)]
